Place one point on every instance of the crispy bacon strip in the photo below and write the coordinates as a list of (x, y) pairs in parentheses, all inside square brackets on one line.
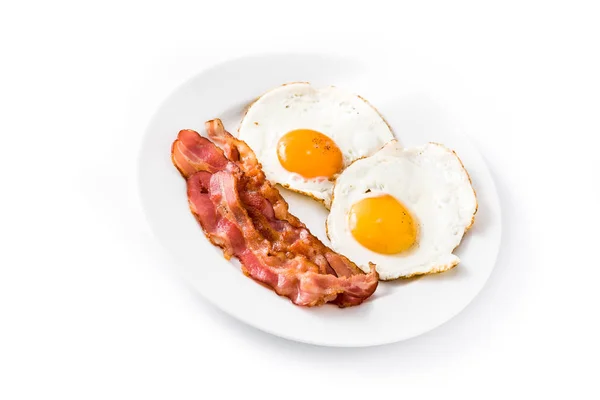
[(240, 211)]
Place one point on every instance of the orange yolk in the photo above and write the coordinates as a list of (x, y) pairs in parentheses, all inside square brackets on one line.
[(309, 153), (383, 225)]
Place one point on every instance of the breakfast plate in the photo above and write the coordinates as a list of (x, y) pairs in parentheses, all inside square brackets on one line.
[(415, 98)]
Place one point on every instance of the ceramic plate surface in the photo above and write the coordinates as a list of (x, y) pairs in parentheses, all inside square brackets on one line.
[(420, 103)]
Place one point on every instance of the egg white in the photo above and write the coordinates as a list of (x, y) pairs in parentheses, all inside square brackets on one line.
[(431, 182), (353, 124)]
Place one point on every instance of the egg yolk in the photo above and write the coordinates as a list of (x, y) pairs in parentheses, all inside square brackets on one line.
[(382, 224), (309, 153)]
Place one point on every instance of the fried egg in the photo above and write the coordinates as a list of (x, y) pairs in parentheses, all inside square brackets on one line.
[(305, 136), (404, 209)]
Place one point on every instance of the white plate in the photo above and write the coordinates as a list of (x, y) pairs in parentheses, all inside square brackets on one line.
[(415, 98)]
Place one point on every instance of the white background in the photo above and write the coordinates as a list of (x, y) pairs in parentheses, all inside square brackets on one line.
[(89, 307)]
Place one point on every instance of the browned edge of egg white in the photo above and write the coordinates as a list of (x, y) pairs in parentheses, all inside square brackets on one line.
[(382, 117), (470, 183)]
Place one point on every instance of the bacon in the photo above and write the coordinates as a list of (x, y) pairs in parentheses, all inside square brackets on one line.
[(191, 153), (241, 212)]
